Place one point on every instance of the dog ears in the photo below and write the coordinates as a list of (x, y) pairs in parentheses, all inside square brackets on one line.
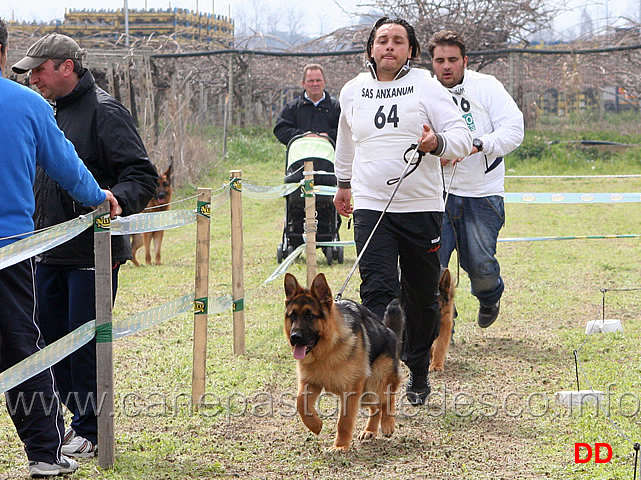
[(292, 287), (168, 171), (320, 289)]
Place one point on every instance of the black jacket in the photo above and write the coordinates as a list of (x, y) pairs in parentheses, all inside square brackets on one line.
[(107, 141), (300, 116)]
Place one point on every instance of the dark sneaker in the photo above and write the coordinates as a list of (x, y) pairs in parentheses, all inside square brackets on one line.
[(418, 388), (42, 469), (80, 447), (487, 315)]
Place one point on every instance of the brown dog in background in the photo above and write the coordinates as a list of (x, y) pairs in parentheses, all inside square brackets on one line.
[(446, 303), (159, 203)]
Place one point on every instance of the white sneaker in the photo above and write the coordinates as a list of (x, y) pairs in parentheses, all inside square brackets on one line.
[(42, 469), (79, 447), (69, 434)]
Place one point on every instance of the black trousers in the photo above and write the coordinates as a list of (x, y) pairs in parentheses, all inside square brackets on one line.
[(34, 405), (411, 241), (67, 300)]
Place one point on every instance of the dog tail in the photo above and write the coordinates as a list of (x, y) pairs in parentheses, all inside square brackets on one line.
[(394, 319)]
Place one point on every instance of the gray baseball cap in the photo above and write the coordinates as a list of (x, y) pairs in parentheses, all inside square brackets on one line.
[(53, 45)]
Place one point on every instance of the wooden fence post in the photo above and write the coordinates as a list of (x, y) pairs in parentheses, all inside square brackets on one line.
[(104, 345), (201, 296), (237, 269), (310, 221)]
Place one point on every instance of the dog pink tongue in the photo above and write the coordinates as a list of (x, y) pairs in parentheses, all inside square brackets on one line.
[(299, 352)]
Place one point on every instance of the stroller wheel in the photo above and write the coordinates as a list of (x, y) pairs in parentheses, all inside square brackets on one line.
[(340, 254), (290, 249), (279, 253), (329, 255)]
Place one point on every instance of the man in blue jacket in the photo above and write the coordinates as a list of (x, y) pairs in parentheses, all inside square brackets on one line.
[(314, 111), (108, 143), (30, 136)]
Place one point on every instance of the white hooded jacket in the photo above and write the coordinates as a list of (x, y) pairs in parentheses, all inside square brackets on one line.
[(493, 117)]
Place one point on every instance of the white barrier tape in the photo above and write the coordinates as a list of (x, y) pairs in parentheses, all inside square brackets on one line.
[(520, 197), (151, 222), (572, 197), (268, 193), (337, 243), (157, 315), (282, 268), (154, 316), (572, 176), (47, 357), (52, 354), (220, 199), (350, 243), (324, 190), (577, 237), (40, 242)]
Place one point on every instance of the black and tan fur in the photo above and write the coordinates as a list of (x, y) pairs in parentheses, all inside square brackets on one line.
[(159, 203), (446, 304), (345, 349)]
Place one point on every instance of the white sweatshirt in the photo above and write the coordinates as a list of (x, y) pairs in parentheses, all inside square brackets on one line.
[(379, 122), (492, 116)]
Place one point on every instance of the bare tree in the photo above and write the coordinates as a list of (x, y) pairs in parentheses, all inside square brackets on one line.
[(486, 24)]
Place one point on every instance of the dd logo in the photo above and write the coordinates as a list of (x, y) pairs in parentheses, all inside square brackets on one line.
[(598, 448)]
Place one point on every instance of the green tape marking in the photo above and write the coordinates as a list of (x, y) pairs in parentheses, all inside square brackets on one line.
[(204, 209), (102, 223), (308, 188), (236, 184), (200, 306), (104, 333), (239, 305)]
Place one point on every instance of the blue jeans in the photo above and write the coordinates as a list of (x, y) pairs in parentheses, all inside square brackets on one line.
[(471, 226)]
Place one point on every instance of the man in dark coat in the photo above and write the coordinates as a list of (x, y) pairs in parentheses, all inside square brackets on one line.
[(105, 137), (314, 111)]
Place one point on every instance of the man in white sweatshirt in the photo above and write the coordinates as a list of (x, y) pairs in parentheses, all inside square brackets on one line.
[(385, 114), (475, 212)]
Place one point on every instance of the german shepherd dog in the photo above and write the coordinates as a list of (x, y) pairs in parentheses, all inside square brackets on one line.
[(159, 203), (345, 349), (446, 304)]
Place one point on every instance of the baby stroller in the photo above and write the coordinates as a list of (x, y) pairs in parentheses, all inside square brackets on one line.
[(321, 151)]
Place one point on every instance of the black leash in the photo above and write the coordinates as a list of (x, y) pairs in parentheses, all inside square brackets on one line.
[(358, 259), (398, 184)]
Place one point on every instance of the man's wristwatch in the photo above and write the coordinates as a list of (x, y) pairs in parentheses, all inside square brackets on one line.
[(478, 144)]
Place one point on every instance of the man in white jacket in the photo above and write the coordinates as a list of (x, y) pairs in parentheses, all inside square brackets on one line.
[(385, 114), (475, 212)]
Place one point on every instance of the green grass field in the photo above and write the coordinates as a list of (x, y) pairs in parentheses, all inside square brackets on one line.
[(492, 414)]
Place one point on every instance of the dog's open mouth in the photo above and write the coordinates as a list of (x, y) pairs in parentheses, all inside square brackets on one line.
[(301, 350)]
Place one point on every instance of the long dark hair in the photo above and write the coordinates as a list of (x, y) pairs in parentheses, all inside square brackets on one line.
[(411, 36)]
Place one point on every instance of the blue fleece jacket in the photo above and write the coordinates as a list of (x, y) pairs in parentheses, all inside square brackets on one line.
[(29, 134)]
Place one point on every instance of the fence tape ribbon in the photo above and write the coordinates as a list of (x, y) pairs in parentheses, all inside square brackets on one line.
[(40, 242), (47, 357), (52, 354), (542, 197), (150, 222), (269, 193), (572, 197)]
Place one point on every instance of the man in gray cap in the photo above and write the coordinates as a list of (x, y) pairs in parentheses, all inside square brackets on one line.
[(30, 136), (107, 141)]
